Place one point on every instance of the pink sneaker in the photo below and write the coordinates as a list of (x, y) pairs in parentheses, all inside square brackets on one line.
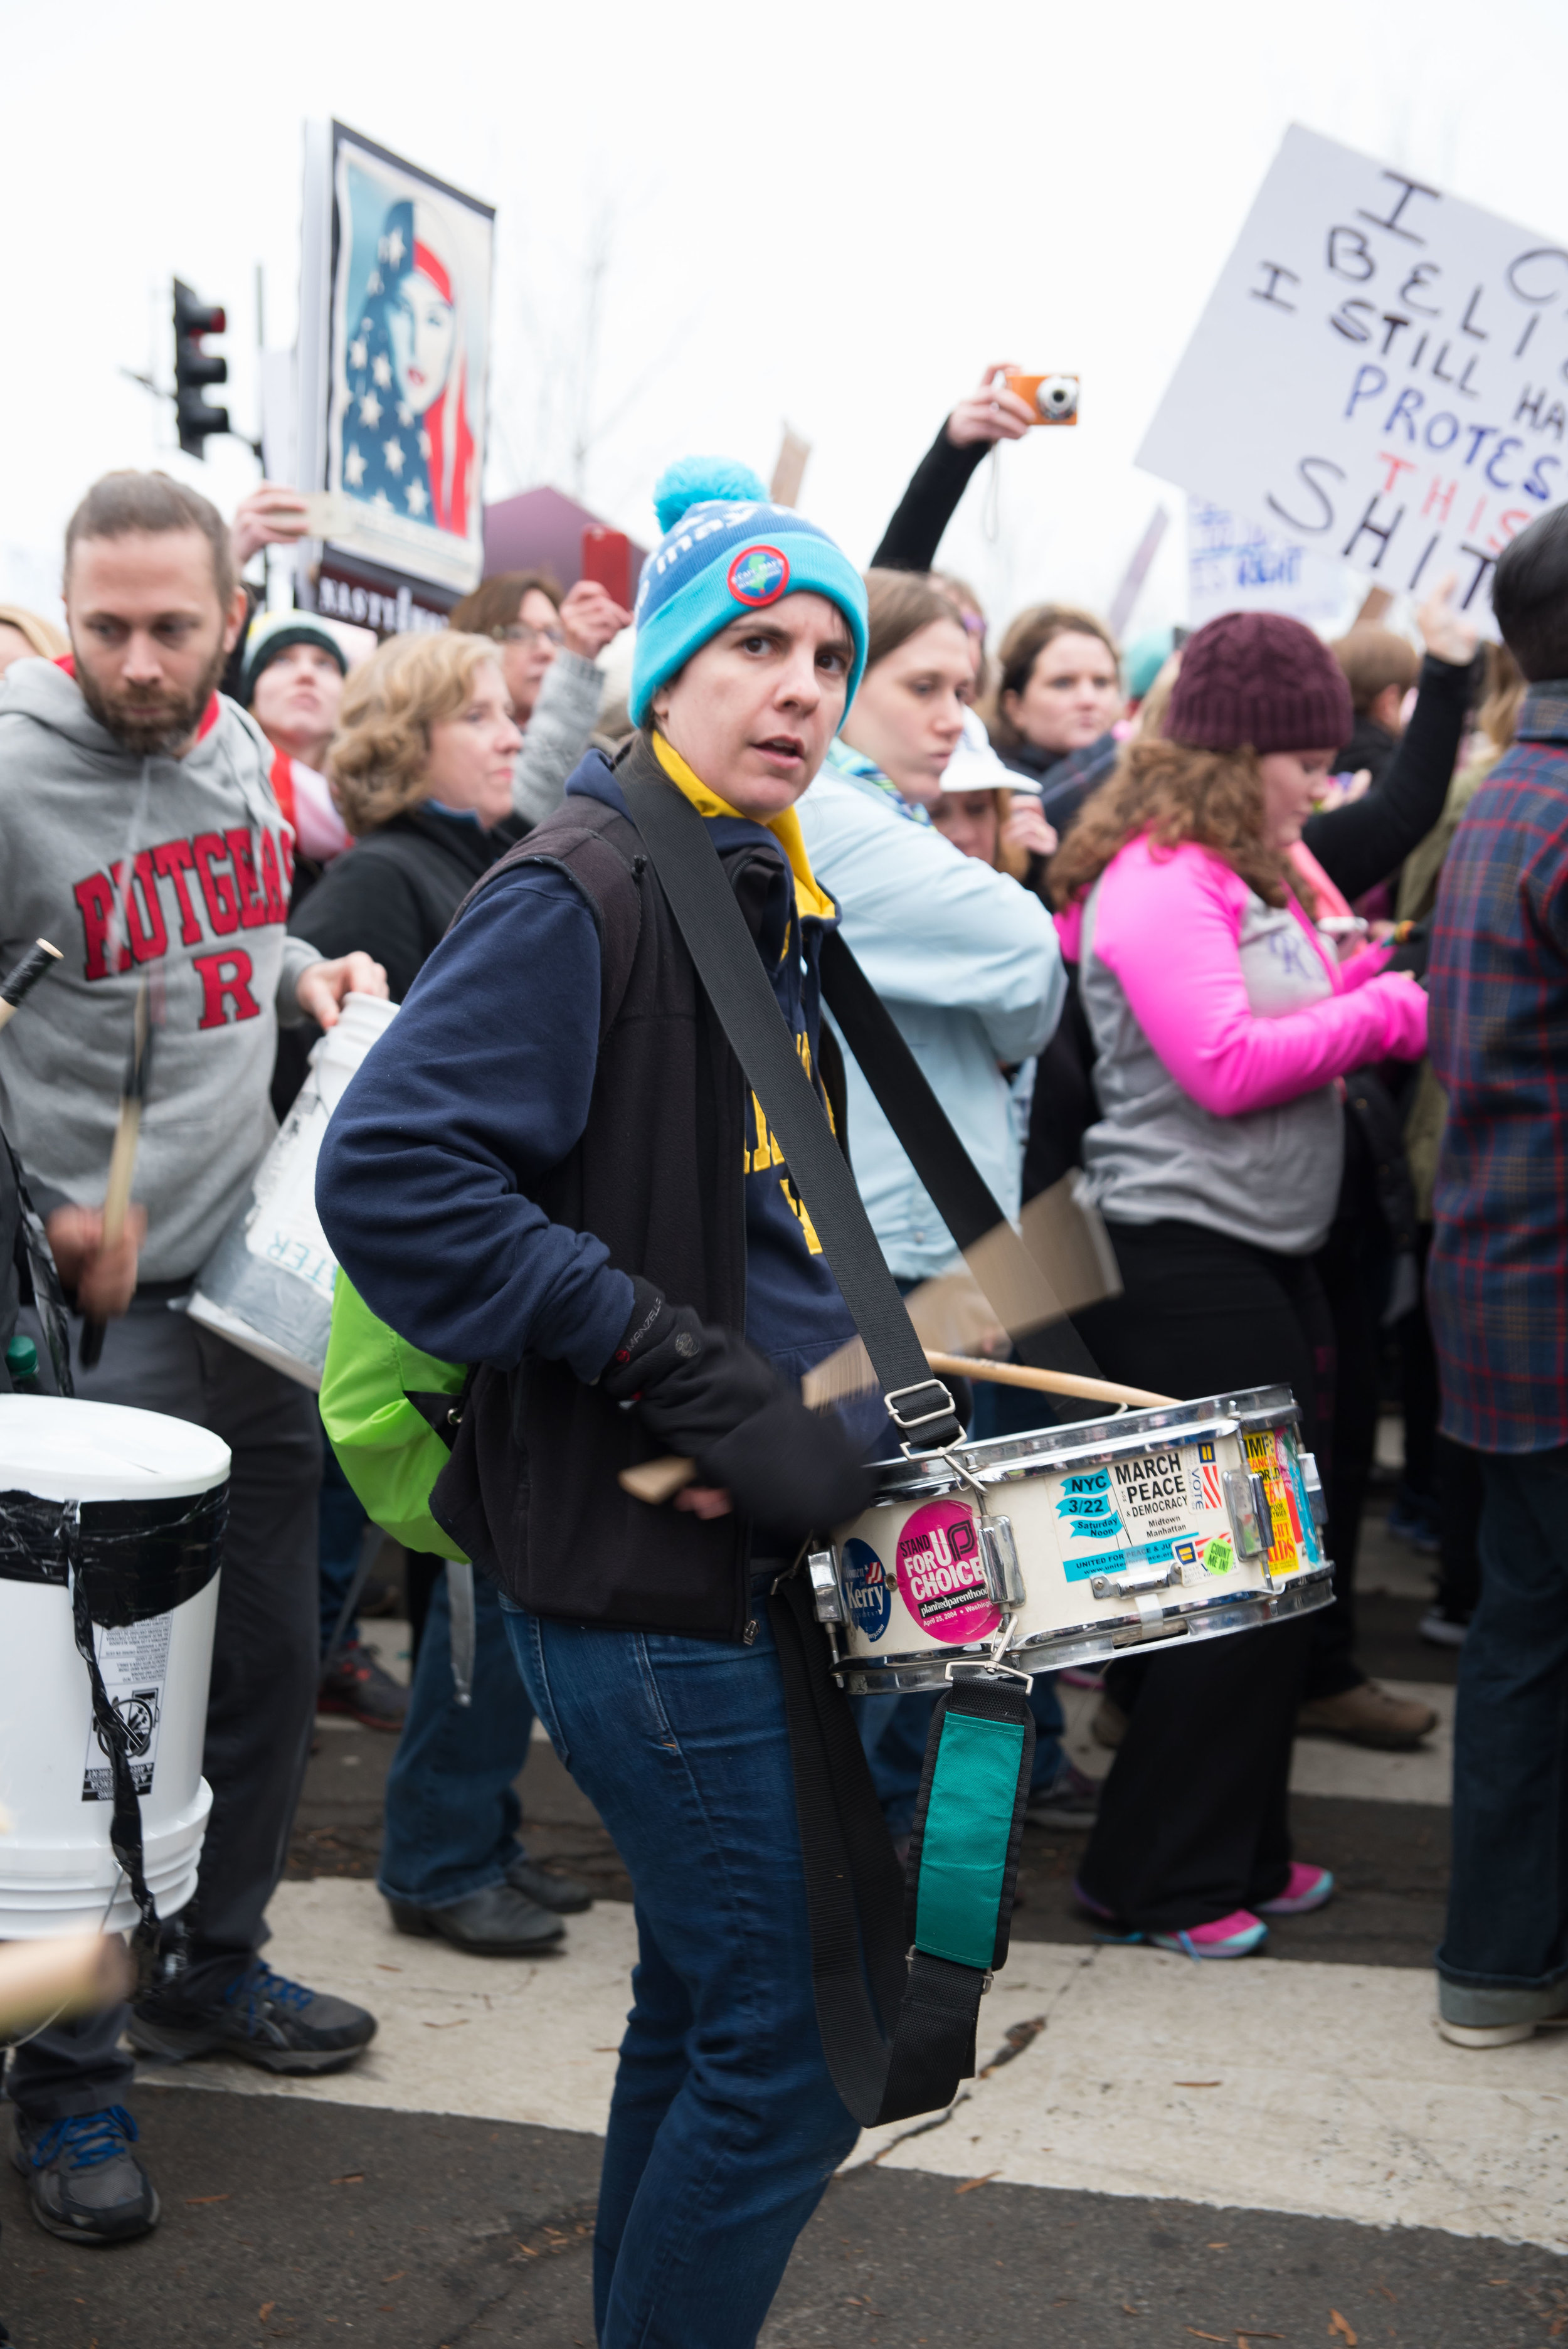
[(1304, 1887), (1235, 1936)]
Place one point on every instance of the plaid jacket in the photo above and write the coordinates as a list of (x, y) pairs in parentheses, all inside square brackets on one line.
[(1498, 1289)]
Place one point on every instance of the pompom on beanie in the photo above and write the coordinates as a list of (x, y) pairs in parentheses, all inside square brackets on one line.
[(727, 550), (1261, 678)]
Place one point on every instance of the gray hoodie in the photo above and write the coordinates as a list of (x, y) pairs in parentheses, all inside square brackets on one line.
[(211, 859)]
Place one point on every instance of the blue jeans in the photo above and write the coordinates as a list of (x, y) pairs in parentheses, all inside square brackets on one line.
[(893, 1730), (342, 1521), (451, 1814), (1507, 1900), (725, 2126)]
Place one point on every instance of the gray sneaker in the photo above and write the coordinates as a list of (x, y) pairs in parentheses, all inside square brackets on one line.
[(1071, 1800), (87, 2186)]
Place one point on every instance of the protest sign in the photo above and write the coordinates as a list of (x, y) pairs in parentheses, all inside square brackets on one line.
[(1379, 373), (1238, 566)]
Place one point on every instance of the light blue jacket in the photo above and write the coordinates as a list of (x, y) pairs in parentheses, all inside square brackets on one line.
[(967, 963)]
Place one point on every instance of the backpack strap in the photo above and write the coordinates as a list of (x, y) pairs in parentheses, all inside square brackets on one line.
[(607, 872)]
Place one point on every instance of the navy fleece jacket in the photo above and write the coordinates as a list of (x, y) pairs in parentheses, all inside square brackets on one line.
[(483, 1081)]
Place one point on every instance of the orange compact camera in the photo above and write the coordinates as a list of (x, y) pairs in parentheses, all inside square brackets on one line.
[(1053, 398)]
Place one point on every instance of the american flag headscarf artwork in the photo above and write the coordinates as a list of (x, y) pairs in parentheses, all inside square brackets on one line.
[(406, 446)]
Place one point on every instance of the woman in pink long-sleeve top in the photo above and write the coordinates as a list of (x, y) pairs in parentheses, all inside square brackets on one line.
[(1222, 1021)]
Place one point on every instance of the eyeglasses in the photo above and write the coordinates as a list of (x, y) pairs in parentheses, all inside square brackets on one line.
[(520, 633)]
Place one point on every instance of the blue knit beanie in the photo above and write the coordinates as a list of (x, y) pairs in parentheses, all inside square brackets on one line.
[(725, 551)]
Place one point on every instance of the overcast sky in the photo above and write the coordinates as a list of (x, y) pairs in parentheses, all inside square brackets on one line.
[(831, 212)]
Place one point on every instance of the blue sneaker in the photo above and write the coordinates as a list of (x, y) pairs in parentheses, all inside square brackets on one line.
[(86, 2184), (261, 2018)]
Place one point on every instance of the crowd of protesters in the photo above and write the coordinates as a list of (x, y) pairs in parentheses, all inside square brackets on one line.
[(1269, 957)]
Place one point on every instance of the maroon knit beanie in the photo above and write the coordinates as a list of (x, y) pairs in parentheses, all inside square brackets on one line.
[(1259, 677)]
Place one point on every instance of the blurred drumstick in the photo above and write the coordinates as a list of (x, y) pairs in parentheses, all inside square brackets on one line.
[(70, 1973), (123, 1157), (26, 975), (849, 1372)]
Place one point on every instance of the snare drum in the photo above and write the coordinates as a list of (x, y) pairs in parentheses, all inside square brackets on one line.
[(1071, 1545)]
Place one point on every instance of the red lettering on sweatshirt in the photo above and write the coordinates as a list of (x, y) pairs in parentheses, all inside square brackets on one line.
[(253, 909), (143, 914), (272, 882), (226, 978), (95, 900), (173, 859), (217, 888)]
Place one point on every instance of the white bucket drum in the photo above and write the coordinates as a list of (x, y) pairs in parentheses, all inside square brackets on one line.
[(267, 1285), (141, 1501), (1077, 1542)]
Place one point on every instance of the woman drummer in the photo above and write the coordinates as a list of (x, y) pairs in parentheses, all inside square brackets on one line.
[(1221, 1023), (543, 1180)]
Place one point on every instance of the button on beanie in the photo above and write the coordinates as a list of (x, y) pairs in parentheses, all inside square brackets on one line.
[(1259, 677), (272, 633), (727, 550)]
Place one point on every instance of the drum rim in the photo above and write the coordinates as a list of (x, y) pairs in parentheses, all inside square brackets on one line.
[(1244, 1409)]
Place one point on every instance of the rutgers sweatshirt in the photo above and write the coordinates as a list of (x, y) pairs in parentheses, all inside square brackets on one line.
[(211, 860)]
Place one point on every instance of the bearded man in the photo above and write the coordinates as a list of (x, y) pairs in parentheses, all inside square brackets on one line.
[(142, 836)]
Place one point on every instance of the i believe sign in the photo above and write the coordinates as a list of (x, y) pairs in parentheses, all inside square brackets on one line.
[(1380, 372)]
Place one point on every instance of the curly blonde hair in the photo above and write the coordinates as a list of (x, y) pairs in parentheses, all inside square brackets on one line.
[(1175, 792), (378, 759)]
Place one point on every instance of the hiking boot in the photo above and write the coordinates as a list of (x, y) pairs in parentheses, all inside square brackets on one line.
[(1109, 1725), (568, 1895), (264, 2019), (86, 2184), (357, 1686), (498, 1922), (1367, 1715), (1071, 1800)]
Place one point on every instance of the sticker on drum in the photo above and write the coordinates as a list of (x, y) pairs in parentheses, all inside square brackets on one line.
[(940, 1579), (1285, 1545), (866, 1588)]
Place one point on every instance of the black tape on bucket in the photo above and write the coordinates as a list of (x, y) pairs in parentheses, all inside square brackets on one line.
[(135, 1559)]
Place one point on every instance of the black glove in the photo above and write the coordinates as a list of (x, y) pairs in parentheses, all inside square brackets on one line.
[(705, 1392)]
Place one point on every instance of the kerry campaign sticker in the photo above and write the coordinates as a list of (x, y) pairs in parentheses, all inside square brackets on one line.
[(759, 575), (866, 1588), (939, 1574)]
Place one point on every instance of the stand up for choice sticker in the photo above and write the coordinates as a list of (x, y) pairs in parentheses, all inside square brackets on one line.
[(1379, 373)]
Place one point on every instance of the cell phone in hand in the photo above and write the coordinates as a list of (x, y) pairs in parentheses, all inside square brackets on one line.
[(607, 559)]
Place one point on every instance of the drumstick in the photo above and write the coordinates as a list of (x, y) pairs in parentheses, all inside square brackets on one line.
[(657, 1481), (25, 976), (122, 1159)]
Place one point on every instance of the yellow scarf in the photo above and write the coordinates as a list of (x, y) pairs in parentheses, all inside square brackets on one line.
[(812, 900)]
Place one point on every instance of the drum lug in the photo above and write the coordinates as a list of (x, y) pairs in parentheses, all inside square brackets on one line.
[(827, 1592), (999, 1563), (1247, 1499), (1316, 1498), (1153, 1577)]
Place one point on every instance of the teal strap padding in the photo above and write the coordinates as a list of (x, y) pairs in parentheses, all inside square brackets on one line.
[(964, 1847)]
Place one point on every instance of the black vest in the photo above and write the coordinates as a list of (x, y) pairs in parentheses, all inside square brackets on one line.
[(530, 1491)]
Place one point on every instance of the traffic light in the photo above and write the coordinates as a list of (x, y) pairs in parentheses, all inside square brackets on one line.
[(195, 368)]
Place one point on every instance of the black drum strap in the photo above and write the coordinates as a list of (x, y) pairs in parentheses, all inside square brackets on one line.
[(114, 1736), (900, 1963)]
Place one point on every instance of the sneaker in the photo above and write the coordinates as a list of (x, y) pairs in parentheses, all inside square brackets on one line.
[(1367, 1715), (1441, 1629), (261, 2018), (1109, 1725), (1077, 1676), (1093, 1907), (1071, 1800), (86, 2184), (1305, 1888), (1412, 1518), (567, 1896), (1470, 2017), (498, 1921), (357, 1686), (1235, 1936)]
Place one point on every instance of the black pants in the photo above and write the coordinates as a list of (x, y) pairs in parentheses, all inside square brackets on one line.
[(261, 1700), (1192, 1822), (1352, 1266)]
